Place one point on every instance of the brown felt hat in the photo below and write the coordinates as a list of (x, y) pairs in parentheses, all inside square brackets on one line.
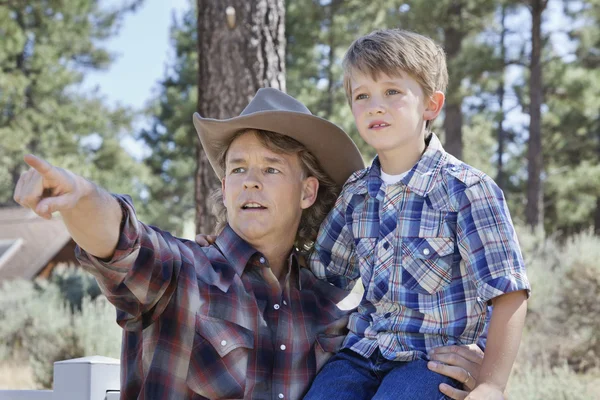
[(272, 110)]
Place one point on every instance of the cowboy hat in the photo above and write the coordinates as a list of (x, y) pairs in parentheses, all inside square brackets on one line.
[(272, 110)]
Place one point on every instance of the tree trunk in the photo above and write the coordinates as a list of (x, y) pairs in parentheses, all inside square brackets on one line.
[(453, 37), (500, 178), (233, 64), (534, 150)]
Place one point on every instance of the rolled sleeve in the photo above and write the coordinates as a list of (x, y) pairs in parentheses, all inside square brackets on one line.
[(145, 264), (488, 242), (332, 258)]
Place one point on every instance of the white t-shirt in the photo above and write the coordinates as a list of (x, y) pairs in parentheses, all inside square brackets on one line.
[(392, 179)]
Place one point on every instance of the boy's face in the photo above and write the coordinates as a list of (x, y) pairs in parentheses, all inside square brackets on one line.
[(390, 112)]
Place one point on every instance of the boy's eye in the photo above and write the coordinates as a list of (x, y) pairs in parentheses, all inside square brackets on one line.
[(271, 170), (391, 92), (361, 96), (237, 170)]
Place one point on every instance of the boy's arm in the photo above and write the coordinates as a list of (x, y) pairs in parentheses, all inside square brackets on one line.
[(333, 255), (504, 337)]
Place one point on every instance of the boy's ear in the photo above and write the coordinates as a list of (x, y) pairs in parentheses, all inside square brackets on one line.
[(434, 105)]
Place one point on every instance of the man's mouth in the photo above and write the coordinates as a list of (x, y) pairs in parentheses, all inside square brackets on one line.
[(253, 206)]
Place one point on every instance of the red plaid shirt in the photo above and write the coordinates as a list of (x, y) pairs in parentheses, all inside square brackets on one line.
[(205, 322)]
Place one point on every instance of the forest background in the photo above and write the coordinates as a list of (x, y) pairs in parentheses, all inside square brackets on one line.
[(523, 105)]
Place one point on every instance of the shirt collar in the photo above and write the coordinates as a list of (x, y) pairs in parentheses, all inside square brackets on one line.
[(421, 177), (236, 250), (239, 253)]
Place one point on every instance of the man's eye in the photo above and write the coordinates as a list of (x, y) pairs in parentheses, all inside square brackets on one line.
[(361, 96), (272, 170)]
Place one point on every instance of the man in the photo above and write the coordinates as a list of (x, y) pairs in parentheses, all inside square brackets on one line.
[(240, 318)]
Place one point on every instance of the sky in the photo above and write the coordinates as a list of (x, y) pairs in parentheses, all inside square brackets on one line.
[(141, 50)]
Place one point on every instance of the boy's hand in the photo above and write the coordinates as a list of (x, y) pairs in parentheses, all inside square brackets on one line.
[(486, 391), (46, 188), (205, 240)]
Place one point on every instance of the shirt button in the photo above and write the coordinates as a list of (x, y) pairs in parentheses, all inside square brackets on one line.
[(223, 342), (281, 395), (276, 306), (426, 251), (282, 347), (262, 260), (285, 303)]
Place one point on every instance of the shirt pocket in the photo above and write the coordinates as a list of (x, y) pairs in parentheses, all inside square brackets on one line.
[(365, 247), (427, 264), (219, 360)]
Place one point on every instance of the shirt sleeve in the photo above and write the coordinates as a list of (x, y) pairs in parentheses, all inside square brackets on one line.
[(333, 255), (141, 276), (488, 242)]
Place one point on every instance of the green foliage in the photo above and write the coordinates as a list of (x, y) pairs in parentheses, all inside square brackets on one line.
[(58, 319), (46, 48)]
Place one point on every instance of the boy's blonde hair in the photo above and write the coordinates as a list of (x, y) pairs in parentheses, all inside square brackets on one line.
[(396, 51)]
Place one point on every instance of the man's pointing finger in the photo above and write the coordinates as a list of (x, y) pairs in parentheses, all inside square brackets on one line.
[(40, 165)]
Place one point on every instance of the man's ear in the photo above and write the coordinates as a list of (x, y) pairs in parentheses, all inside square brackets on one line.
[(309, 192), (223, 189), (434, 105)]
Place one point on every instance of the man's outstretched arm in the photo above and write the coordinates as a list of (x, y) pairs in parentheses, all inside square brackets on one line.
[(91, 214)]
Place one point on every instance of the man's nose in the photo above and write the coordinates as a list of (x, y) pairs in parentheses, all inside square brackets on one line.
[(252, 181)]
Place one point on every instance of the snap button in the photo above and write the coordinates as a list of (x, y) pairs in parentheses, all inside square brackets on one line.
[(276, 306), (426, 251), (281, 395), (223, 342), (282, 347), (262, 260)]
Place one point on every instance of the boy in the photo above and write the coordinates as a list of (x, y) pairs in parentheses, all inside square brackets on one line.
[(429, 236)]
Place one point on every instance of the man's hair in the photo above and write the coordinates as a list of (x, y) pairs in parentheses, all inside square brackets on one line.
[(396, 51), (312, 216)]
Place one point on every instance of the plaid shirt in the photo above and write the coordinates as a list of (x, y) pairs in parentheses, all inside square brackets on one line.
[(431, 251), (205, 322)]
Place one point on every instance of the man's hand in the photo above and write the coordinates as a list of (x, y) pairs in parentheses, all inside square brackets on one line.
[(92, 215), (205, 240), (461, 363), (46, 188)]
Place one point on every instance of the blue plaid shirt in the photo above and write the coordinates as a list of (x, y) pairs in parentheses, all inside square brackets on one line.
[(431, 250)]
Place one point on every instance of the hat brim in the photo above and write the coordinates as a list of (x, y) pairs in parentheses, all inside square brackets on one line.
[(336, 152)]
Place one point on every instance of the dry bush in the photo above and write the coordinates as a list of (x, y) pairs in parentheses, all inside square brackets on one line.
[(54, 320)]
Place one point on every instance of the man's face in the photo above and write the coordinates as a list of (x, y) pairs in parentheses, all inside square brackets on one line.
[(265, 192), (390, 111)]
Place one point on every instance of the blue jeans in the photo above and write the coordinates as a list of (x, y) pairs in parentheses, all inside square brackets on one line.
[(348, 375)]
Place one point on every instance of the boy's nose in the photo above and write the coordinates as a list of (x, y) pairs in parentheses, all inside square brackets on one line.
[(375, 107)]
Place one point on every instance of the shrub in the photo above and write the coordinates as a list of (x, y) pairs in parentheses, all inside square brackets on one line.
[(56, 319)]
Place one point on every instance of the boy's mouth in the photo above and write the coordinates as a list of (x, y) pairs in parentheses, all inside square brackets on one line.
[(378, 125)]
